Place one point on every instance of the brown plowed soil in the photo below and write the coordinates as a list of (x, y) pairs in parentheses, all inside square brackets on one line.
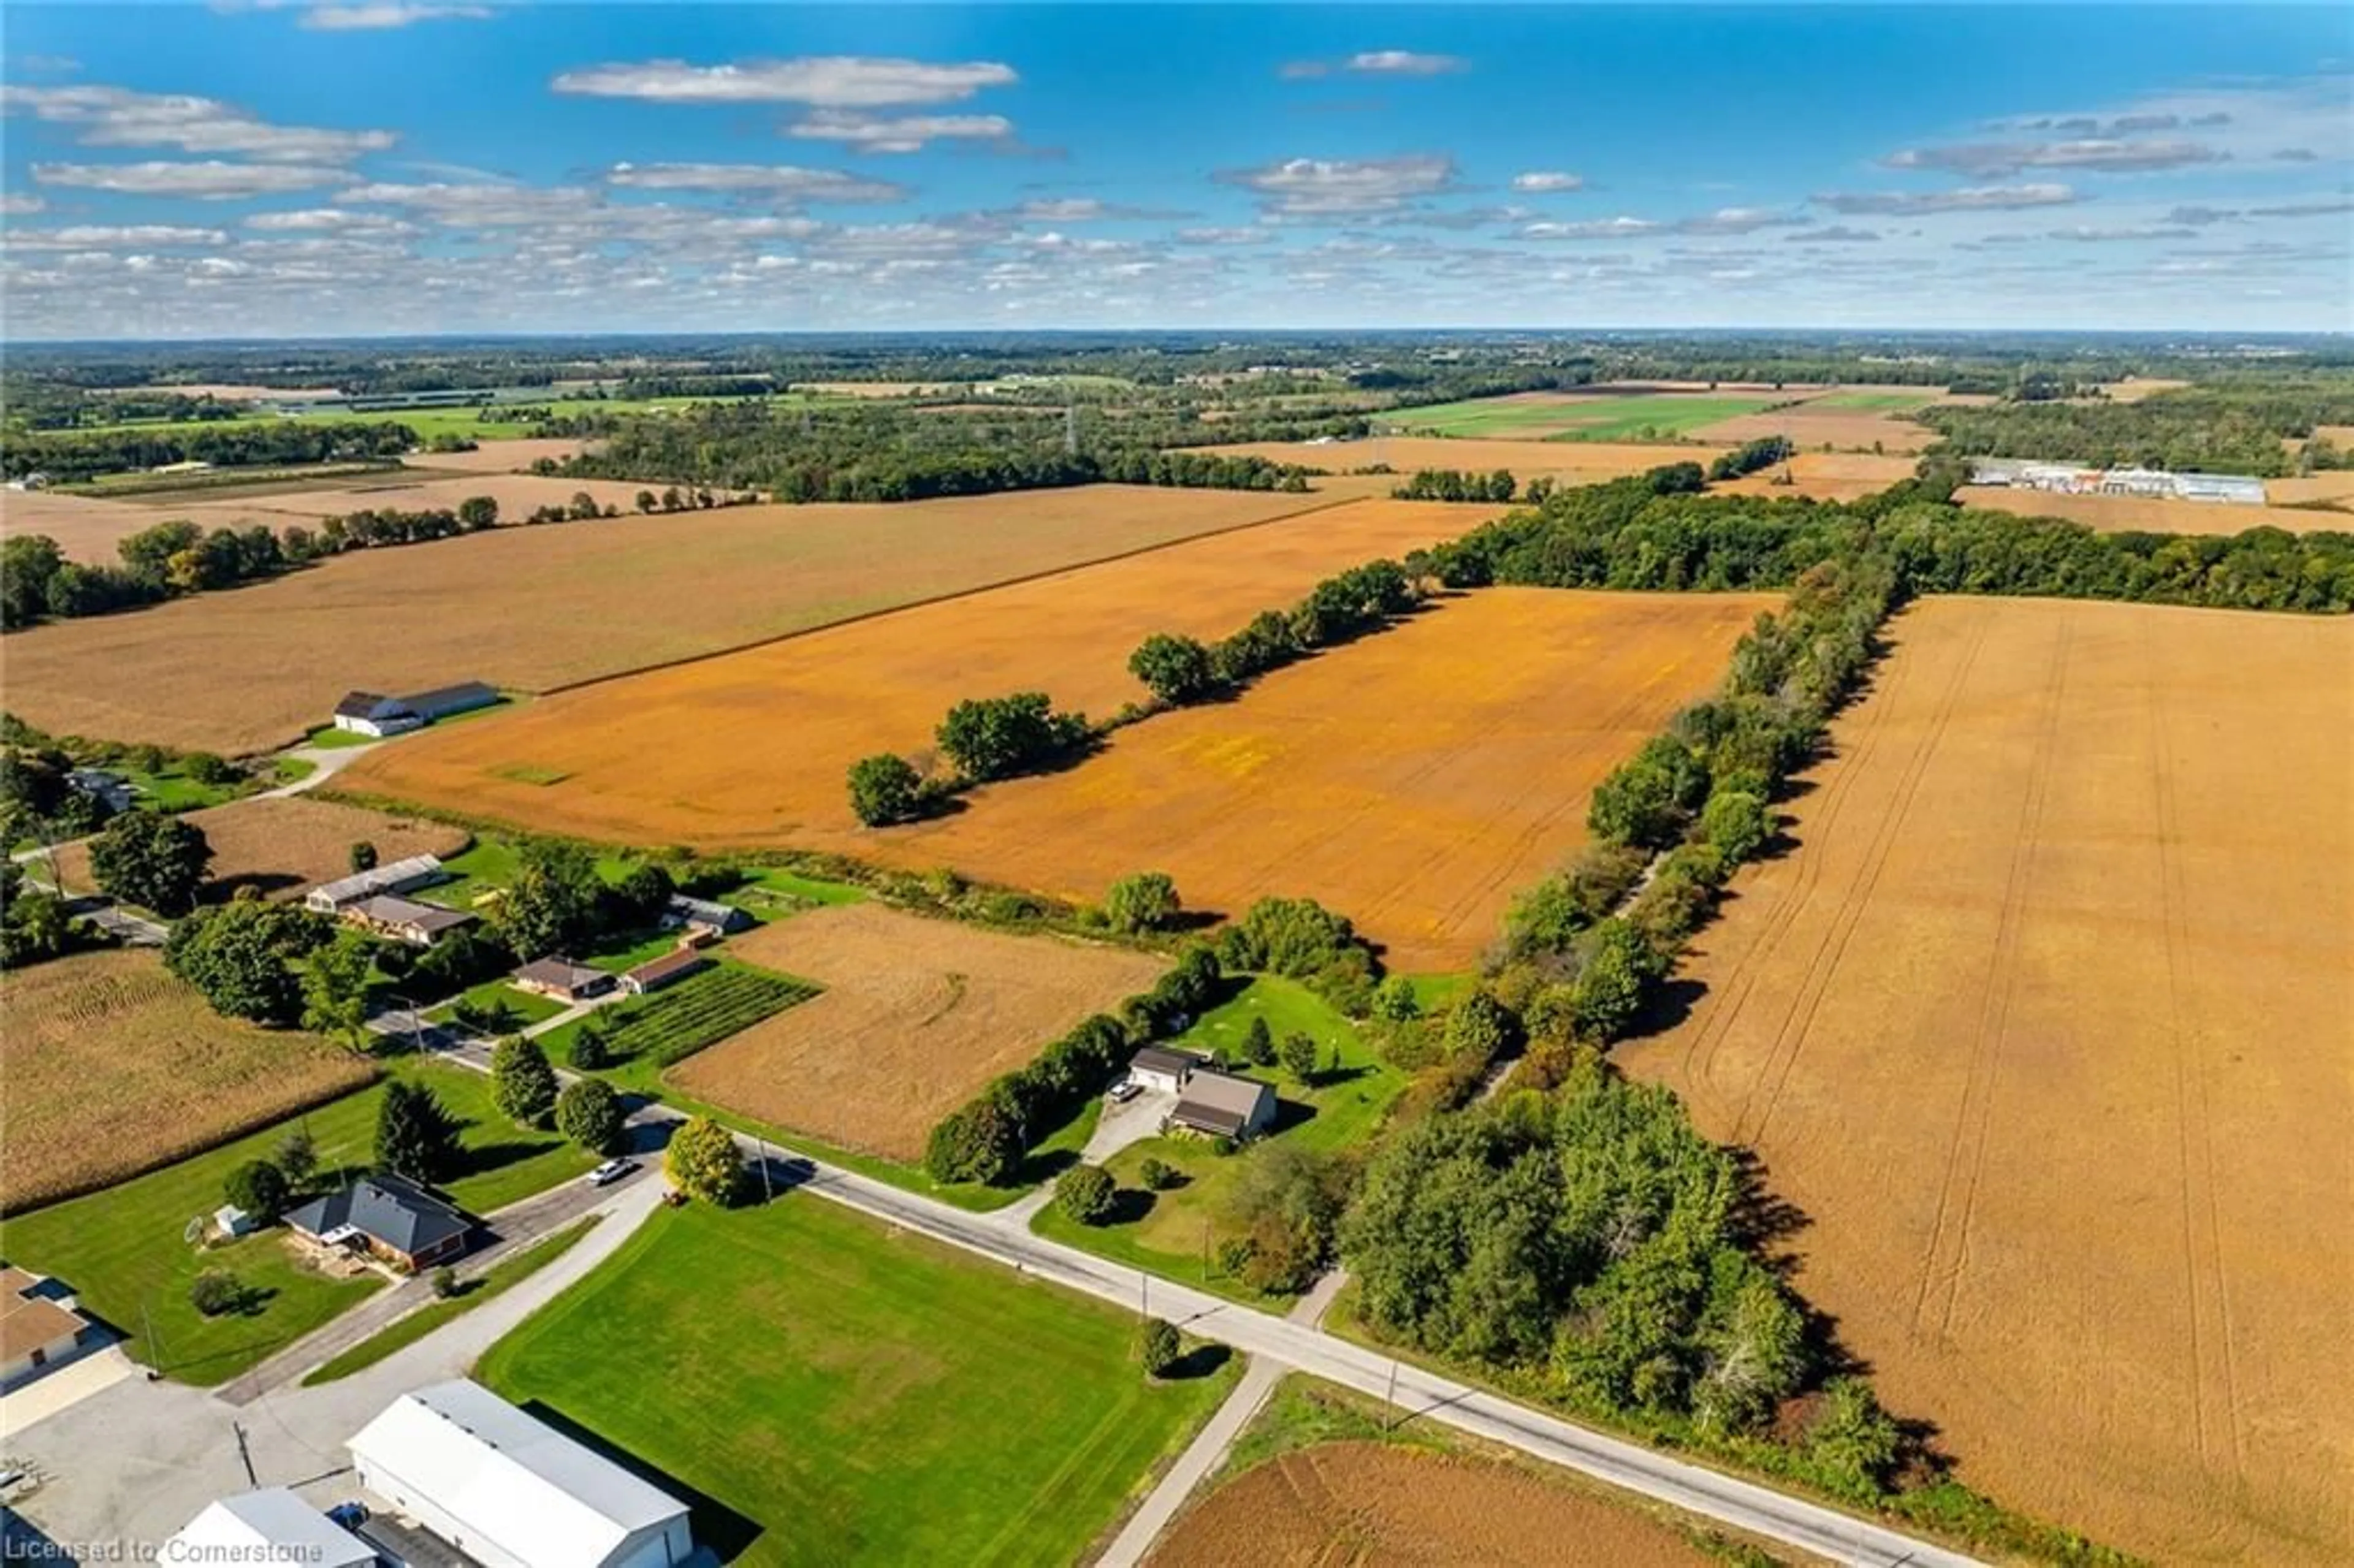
[(2045, 1025), (282, 846)]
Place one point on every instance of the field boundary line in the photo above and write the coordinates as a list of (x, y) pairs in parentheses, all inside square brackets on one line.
[(951, 597)]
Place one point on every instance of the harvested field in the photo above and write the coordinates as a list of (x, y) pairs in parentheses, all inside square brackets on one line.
[(226, 392), (917, 1014), (751, 748), (510, 456), (2043, 1025), (284, 844), (1810, 426), (1336, 1505), (1414, 780), (2333, 485), (2123, 514), (2134, 388), (1566, 463), (1823, 476), (85, 527), (419, 490), (529, 608), (113, 1067)]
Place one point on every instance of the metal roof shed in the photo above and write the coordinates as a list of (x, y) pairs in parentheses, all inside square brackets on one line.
[(269, 1526)]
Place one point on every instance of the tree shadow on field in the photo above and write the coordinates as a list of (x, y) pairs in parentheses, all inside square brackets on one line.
[(728, 1534), (1202, 1361), (1762, 1219), (222, 890), (1129, 1205)]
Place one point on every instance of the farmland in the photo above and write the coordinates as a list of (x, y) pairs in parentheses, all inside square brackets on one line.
[(700, 1010), (1823, 476), (853, 1368), (1415, 781), (917, 1014), (114, 1066), (1818, 423), (2120, 514), (1566, 463), (85, 529), (120, 1249), (1372, 1502), (602, 598), (279, 845), (2042, 1026), (751, 748), (411, 490), (1600, 414)]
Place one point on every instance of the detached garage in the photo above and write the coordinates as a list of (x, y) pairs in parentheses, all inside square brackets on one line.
[(510, 1491)]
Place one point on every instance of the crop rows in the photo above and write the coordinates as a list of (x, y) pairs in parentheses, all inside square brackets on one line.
[(704, 1012)]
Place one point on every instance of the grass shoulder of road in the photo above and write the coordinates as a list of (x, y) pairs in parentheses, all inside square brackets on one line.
[(496, 1280), (332, 738), (122, 1250), (834, 1389), (1179, 1230)]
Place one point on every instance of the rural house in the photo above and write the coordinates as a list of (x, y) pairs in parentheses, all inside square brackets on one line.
[(706, 915), (387, 1217), (399, 876), (374, 714), (561, 979), (40, 1326), (1163, 1068), (508, 1490), (656, 973), (405, 919), (109, 790), (1224, 1104), (271, 1525)]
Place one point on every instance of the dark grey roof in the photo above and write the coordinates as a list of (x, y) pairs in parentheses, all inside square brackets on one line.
[(1166, 1059), (1205, 1118), (391, 909), (669, 967), (561, 972), (368, 705), (454, 699), (387, 1209), (408, 1543)]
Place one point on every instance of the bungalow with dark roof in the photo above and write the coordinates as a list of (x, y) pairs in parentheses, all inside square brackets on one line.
[(561, 979), (704, 915), (1224, 1104), (387, 1217), (656, 973)]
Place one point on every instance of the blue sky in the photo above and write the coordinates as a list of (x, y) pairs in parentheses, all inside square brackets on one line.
[(340, 167)]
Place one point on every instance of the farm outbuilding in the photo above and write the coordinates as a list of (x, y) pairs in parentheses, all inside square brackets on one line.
[(374, 714), (510, 1491), (668, 969), (562, 980), (704, 915), (271, 1525), (405, 919), (1161, 1068), (1224, 1104), (397, 876)]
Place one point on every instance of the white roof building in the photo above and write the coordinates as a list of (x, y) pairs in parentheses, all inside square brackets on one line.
[(271, 1526), (398, 876), (511, 1491)]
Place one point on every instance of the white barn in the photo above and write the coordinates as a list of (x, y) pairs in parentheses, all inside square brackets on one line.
[(269, 1526), (511, 1491)]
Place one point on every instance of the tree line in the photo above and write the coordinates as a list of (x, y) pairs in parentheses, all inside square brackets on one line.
[(2211, 430), (1750, 456), (72, 457), (1452, 484)]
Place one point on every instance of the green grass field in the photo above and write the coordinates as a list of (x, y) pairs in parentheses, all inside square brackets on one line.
[(1857, 402), (496, 1280), (524, 1008), (120, 1249), (836, 1392), (1170, 1231), (1596, 418)]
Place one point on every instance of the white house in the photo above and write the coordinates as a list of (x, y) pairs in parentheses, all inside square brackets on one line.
[(1224, 1104), (1161, 1068), (509, 1490), (41, 1326), (269, 1526), (374, 714)]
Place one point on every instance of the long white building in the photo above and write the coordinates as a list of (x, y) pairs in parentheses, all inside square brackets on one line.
[(2074, 479), (510, 1491)]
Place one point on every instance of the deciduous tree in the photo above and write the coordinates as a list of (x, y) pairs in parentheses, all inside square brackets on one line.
[(705, 1162), (589, 1114), (152, 860)]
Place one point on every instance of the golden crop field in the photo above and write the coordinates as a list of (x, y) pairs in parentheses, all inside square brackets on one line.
[(414, 490), (113, 1067), (85, 527), (1564, 462), (281, 845), (751, 748), (917, 1014), (1822, 476), (2044, 1025), (530, 609), (2122, 514), (1842, 429), (1340, 1505), (1414, 780)]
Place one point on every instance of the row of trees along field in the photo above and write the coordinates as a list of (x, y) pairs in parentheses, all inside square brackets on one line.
[(2267, 430), (70, 457)]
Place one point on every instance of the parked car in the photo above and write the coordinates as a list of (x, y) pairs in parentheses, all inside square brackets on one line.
[(612, 1171), (350, 1515), (1124, 1091)]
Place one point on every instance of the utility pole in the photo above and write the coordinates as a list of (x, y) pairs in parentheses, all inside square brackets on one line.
[(1390, 1397), (244, 1454), (147, 1320), (767, 1186)]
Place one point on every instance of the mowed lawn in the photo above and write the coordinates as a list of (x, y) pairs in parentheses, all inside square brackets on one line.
[(1172, 1232), (121, 1249), (838, 1391)]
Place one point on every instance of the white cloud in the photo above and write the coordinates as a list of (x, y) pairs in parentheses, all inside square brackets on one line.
[(834, 81), (1547, 182), (94, 237), (380, 15), (901, 133), (1837, 234), (785, 182), (1969, 198), (468, 204), (1406, 62), (1739, 220), (119, 117), (21, 205), (1621, 227), (329, 221), (208, 181), (1307, 187), (1225, 235), (1995, 160)]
